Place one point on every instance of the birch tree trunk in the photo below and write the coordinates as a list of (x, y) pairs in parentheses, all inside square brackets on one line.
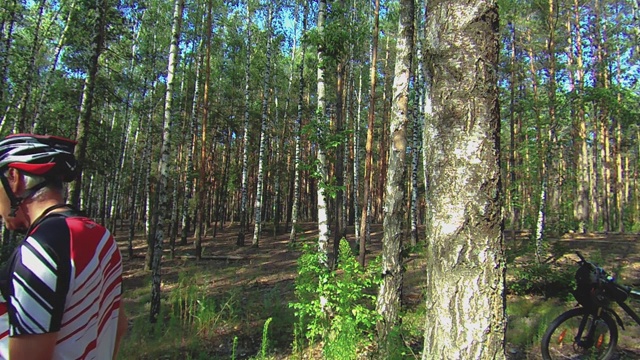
[(465, 316), (357, 157), (163, 164), (296, 132), (547, 151), (323, 221), (245, 138), (263, 134), (389, 294)]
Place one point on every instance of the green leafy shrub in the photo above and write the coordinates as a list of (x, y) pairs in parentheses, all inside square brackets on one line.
[(541, 278), (335, 307)]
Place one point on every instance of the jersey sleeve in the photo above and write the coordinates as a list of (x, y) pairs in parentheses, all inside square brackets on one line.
[(40, 280)]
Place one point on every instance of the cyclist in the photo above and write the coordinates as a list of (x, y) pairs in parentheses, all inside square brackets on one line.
[(61, 287)]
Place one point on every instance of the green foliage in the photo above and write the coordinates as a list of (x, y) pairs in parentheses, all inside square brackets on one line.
[(542, 278), (265, 339), (335, 307), (234, 348), (527, 276)]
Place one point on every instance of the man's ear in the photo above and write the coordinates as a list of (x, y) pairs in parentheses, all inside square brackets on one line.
[(15, 180)]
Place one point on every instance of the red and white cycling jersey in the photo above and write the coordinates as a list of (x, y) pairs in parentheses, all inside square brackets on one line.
[(64, 277)]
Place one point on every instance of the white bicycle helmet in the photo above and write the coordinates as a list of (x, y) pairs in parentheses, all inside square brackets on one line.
[(50, 157)]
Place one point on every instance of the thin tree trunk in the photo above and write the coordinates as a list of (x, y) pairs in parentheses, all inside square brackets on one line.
[(357, 127), (340, 229), (546, 154), (514, 208), (389, 294), (86, 106), (365, 233), (245, 138), (42, 101), (163, 164), (191, 143), (5, 52), (296, 131), (29, 75), (323, 221), (201, 194), (583, 209), (417, 120), (263, 136)]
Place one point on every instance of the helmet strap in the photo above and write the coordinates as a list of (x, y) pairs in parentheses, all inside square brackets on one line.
[(17, 200)]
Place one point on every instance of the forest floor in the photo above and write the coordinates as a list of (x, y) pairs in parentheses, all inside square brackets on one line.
[(252, 284)]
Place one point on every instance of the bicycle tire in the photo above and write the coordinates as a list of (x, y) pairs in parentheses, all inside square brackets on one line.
[(559, 341)]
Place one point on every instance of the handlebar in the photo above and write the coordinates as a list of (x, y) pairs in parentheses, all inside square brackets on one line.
[(605, 277)]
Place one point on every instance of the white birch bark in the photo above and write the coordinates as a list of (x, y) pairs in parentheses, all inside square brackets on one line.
[(296, 132), (323, 220), (389, 294), (163, 164), (263, 135), (246, 138), (465, 317)]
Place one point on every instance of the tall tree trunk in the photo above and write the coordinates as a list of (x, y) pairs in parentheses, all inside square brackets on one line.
[(29, 74), (245, 138), (149, 185), (465, 316), (546, 154), (417, 119), (618, 150), (383, 163), (389, 294), (191, 143), (365, 222), (296, 131), (42, 101), (340, 229), (583, 208), (514, 207), (201, 194), (86, 106), (357, 157), (323, 221), (263, 135), (163, 163), (5, 51)]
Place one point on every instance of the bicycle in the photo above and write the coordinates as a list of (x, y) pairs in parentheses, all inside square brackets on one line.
[(589, 331)]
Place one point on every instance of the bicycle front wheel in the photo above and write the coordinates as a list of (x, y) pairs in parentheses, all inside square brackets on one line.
[(578, 334)]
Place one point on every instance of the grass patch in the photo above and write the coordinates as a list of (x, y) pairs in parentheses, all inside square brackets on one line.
[(200, 320), (529, 317)]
